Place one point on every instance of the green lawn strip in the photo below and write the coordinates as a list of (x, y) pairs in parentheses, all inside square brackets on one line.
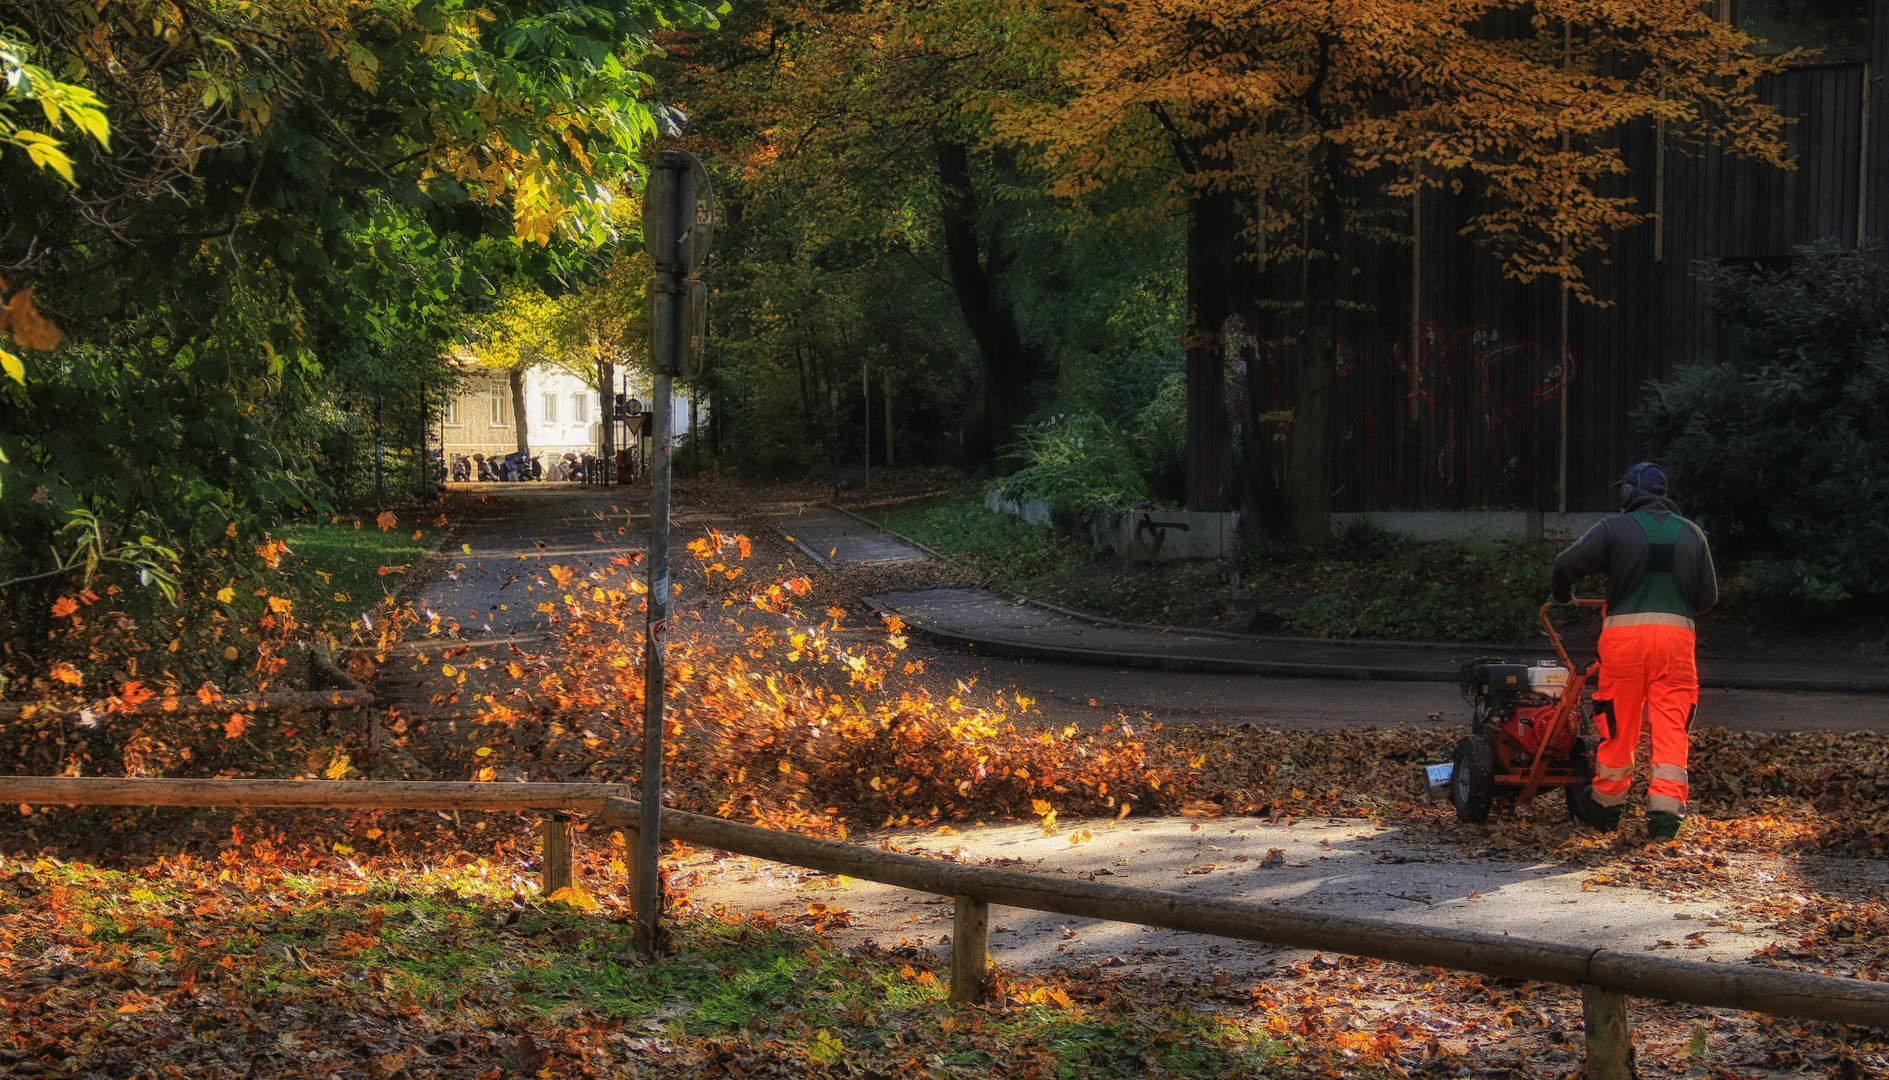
[(1368, 584), (339, 565), (1037, 561), (1014, 550), (328, 950)]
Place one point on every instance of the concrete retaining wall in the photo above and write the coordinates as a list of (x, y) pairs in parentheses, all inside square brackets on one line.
[(1157, 536), (1034, 511)]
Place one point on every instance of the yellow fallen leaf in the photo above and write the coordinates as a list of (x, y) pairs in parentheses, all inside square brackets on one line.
[(575, 897)]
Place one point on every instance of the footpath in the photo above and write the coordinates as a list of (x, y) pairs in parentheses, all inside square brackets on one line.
[(991, 623)]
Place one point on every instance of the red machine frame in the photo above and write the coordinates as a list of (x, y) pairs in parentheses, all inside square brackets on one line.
[(1515, 770)]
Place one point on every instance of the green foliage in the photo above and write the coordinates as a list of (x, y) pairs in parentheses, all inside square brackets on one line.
[(151, 560), (1012, 552), (63, 105), (1079, 465), (829, 259), (1087, 461), (1781, 447), (827, 125), (300, 209), (1160, 438)]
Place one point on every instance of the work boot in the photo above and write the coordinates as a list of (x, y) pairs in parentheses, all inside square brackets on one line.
[(1583, 808), (1663, 826)]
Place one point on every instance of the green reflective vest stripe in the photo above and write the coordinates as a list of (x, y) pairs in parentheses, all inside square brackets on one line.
[(1659, 589)]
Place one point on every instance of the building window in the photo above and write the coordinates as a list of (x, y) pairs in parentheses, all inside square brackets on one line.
[(550, 408), (452, 410), (580, 408), (1804, 24), (498, 408)]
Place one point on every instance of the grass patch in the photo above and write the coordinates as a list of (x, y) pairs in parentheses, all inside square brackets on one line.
[(341, 565), (443, 973), (1037, 561), (1368, 584), (1375, 584)]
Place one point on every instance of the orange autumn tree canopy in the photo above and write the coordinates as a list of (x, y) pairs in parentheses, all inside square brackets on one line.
[(1515, 102)]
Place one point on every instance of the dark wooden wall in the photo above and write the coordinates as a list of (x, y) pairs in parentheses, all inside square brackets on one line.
[(1473, 417)]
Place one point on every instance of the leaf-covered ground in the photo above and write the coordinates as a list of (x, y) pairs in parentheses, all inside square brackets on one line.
[(278, 962)]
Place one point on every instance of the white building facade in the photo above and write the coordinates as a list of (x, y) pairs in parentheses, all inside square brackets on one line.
[(563, 413)]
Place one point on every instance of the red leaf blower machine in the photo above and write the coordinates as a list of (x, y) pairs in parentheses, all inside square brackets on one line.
[(1529, 729)]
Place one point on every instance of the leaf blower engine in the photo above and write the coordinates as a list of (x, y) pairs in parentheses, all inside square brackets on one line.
[(1519, 700)]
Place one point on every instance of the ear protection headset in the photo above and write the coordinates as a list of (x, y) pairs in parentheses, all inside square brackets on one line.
[(1645, 478)]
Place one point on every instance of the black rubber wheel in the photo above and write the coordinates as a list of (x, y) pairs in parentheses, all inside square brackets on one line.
[(1582, 762), (1472, 781)]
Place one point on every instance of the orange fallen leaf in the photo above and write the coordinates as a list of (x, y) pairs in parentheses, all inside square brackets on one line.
[(31, 329)]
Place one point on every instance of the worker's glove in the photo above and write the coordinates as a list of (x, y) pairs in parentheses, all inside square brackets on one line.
[(1568, 599)]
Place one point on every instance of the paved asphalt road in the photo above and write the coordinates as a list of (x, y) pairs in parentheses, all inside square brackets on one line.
[(1063, 692)]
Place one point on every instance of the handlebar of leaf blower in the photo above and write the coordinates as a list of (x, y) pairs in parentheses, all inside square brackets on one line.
[(1548, 625)]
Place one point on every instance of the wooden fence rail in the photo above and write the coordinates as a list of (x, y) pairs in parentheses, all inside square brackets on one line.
[(191, 705), (1606, 977), (336, 794), (1766, 990)]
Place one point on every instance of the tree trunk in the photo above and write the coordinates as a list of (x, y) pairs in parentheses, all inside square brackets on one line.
[(1219, 289), (519, 419), (1315, 365), (1009, 366)]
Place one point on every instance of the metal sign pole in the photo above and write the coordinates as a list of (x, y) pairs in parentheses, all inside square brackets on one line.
[(648, 884), (678, 220)]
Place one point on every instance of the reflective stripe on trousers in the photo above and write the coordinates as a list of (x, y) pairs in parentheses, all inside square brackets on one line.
[(1645, 671)]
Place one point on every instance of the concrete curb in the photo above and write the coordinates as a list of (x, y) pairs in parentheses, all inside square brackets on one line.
[(1023, 650), (985, 645)]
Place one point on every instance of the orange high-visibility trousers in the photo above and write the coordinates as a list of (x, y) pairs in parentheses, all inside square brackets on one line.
[(1647, 668)]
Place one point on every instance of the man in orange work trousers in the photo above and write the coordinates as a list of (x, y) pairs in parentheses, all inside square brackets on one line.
[(1659, 575)]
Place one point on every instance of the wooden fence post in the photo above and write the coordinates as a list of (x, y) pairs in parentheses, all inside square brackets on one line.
[(632, 856), (1609, 1034), (970, 948), (557, 852)]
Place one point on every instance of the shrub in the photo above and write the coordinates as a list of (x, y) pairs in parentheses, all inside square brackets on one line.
[(1079, 464), (1781, 448)]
